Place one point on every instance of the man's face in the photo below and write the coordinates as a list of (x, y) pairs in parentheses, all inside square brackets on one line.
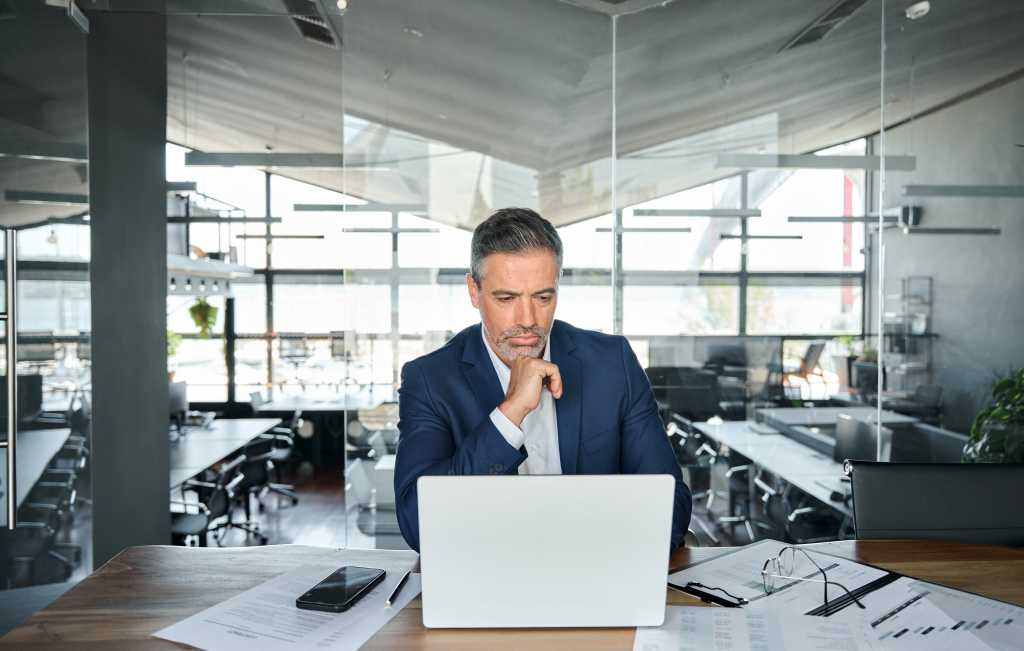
[(517, 298)]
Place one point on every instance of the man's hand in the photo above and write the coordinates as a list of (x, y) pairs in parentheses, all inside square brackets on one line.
[(529, 376)]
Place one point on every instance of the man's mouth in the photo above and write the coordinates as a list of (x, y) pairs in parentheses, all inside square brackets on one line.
[(528, 340)]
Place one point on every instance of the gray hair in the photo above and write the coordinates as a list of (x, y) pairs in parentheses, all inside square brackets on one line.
[(513, 230)]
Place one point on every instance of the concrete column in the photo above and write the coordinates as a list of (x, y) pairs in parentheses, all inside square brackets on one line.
[(127, 196)]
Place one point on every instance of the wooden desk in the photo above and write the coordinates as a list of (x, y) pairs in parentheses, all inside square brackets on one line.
[(201, 448), (144, 589)]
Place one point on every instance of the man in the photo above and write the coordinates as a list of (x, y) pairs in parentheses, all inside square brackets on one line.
[(523, 393)]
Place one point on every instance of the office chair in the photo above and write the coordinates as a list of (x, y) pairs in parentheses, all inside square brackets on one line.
[(283, 443), (695, 456), (213, 503), (796, 517), (18, 550), (255, 469), (958, 502)]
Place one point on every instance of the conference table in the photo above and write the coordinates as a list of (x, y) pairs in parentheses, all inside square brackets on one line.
[(807, 469), (144, 589), (35, 450), (202, 447)]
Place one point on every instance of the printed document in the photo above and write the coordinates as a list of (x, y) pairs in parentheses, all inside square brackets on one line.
[(695, 628), (265, 618)]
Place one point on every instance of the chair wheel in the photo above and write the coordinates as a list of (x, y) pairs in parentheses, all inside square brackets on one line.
[(263, 540), (295, 501)]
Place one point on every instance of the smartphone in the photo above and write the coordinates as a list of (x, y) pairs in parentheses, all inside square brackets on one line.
[(341, 590)]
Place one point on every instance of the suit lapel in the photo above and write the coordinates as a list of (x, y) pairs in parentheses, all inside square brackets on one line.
[(480, 373), (568, 407)]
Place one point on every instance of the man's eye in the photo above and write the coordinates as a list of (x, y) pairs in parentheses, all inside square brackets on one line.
[(504, 299), (545, 298)]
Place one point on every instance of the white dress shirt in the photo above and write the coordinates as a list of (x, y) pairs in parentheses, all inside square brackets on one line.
[(539, 432)]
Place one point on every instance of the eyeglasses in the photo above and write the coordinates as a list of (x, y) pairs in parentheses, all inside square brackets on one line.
[(778, 573)]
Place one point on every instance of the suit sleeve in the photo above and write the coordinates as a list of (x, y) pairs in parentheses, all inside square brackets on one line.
[(645, 447), (427, 446)]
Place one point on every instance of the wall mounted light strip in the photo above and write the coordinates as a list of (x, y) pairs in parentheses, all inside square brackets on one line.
[(710, 212), (727, 236), (643, 230), (181, 186), (810, 161), (1009, 191), (247, 236), (53, 151), (390, 230), (367, 207), (46, 198), (224, 220), (262, 159), (889, 219), (916, 230)]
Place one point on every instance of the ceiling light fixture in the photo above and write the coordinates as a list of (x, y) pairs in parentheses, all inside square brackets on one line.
[(918, 10)]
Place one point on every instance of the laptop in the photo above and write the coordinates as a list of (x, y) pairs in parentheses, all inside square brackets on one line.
[(544, 550)]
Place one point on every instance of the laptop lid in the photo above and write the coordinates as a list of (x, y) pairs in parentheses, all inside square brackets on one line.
[(544, 551)]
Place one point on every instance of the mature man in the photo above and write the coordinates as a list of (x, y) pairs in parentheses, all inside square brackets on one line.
[(523, 393)]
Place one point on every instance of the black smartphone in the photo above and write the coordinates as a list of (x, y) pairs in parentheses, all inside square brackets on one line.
[(341, 590)]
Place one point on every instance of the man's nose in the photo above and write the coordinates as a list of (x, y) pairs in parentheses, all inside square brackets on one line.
[(525, 315)]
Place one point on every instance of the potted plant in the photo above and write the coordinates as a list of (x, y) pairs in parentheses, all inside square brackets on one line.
[(204, 316), (997, 434), (173, 341)]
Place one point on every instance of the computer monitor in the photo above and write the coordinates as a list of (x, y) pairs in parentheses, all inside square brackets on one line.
[(179, 401)]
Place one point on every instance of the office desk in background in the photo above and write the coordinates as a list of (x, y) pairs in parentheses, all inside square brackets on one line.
[(35, 449), (144, 589), (807, 469), (201, 448)]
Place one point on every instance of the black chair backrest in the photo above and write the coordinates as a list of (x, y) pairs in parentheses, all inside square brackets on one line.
[(957, 502), (696, 394), (217, 500)]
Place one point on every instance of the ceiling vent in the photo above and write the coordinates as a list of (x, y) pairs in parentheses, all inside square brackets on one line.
[(825, 24), (312, 23)]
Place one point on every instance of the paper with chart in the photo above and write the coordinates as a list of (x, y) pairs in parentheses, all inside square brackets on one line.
[(265, 618), (727, 629), (912, 614), (739, 573)]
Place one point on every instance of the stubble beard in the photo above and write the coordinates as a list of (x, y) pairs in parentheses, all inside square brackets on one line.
[(510, 352)]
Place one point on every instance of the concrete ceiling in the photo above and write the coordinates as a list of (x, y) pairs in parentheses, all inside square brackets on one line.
[(469, 105)]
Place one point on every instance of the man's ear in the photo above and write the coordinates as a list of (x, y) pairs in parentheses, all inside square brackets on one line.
[(474, 291)]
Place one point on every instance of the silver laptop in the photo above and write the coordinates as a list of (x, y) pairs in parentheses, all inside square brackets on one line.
[(544, 551)]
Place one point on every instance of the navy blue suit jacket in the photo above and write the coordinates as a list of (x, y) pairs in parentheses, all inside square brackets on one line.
[(607, 418)]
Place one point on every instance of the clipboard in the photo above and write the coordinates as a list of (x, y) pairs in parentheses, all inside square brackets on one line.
[(709, 594)]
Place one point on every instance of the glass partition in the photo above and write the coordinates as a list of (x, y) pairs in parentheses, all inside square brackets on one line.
[(951, 281), (44, 219)]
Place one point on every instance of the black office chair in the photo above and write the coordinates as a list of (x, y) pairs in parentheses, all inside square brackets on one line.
[(959, 502), (283, 439), (696, 455), (213, 503), (19, 549), (256, 470)]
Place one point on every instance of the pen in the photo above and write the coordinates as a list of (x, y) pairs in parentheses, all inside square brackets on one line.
[(398, 588)]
